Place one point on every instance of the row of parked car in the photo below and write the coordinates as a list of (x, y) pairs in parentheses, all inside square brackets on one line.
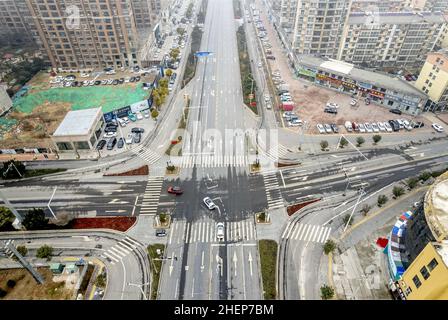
[(370, 127), (111, 136)]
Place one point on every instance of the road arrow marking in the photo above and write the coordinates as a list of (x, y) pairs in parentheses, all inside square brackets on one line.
[(115, 201), (115, 211), (342, 204), (171, 265), (202, 263), (250, 263), (235, 259), (186, 268)]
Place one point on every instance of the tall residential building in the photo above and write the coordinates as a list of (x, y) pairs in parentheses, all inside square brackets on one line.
[(380, 5), (14, 27), (88, 34), (433, 80), (392, 39), (318, 26)]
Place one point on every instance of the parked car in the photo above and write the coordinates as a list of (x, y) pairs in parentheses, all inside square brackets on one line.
[(368, 127), (110, 134), (295, 122), (175, 190), (418, 124), (111, 144), (220, 231), (321, 128), (355, 126), (137, 130), (101, 144), (396, 111), (375, 127), (348, 126), (388, 127), (328, 128), (331, 110), (334, 127), (353, 102), (137, 137), (129, 139), (139, 116), (132, 117), (146, 114), (395, 125), (209, 203), (362, 128), (110, 129), (437, 127), (400, 123)]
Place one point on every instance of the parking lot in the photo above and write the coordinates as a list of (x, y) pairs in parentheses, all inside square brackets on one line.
[(147, 124), (310, 100)]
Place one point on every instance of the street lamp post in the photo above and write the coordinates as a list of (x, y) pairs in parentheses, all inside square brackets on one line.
[(140, 286)]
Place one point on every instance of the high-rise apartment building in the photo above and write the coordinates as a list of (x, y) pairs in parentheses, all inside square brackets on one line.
[(14, 27), (433, 80), (380, 5), (390, 38)]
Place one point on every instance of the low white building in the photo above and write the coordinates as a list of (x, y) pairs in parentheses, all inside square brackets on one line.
[(5, 100), (79, 131)]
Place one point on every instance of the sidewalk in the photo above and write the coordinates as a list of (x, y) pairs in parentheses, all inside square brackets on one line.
[(273, 230), (143, 230)]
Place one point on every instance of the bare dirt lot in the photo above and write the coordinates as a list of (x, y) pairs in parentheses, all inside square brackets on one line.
[(26, 288)]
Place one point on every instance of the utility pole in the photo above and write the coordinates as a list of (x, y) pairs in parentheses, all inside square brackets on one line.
[(18, 222), (10, 246), (140, 286), (361, 193)]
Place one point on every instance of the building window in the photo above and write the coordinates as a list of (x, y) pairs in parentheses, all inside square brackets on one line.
[(424, 88), (430, 74), (427, 81), (425, 273), (432, 264), (83, 145), (430, 84), (417, 281), (64, 146), (408, 291)]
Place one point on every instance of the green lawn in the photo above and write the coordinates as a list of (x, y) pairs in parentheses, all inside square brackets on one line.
[(268, 261), (156, 267), (107, 97)]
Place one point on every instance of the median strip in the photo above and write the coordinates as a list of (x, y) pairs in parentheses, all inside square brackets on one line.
[(268, 260)]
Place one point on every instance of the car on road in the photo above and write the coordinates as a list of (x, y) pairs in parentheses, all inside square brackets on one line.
[(220, 231), (368, 127), (437, 127), (334, 127), (396, 111), (268, 105), (209, 203), (348, 126), (110, 135), (267, 97), (129, 139), (260, 65), (101, 144), (175, 190), (111, 144), (160, 232), (328, 128), (321, 128)]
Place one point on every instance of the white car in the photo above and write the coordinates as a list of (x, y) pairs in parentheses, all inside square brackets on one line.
[(260, 65), (321, 128), (368, 127), (295, 123), (328, 128), (388, 127), (268, 105), (353, 102), (267, 97), (332, 105), (139, 116), (146, 114), (110, 135), (129, 139), (400, 123), (209, 203), (437, 127), (287, 114), (362, 128), (375, 127), (348, 125), (103, 82), (381, 126), (220, 231), (84, 75)]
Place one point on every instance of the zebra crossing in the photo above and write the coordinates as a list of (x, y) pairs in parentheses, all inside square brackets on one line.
[(306, 232), (146, 154), (208, 161), (6, 251), (204, 231), (272, 190), (273, 153), (121, 249), (151, 196)]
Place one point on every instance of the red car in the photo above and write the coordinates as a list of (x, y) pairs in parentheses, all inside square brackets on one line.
[(175, 190)]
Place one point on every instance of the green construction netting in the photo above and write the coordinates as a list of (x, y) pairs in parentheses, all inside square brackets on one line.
[(6, 125), (108, 97)]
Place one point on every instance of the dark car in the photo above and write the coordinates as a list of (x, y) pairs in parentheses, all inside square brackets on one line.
[(101, 144), (137, 130), (132, 79), (137, 78), (334, 127), (175, 190), (120, 143), (137, 138), (115, 82), (418, 124), (111, 144), (136, 69), (395, 125), (331, 110), (121, 80), (110, 129), (97, 82), (160, 232), (270, 57), (280, 92), (396, 111)]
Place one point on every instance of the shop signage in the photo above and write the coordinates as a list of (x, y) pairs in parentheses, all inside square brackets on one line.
[(376, 93), (306, 72)]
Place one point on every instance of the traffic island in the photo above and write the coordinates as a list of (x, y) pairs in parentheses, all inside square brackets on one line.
[(142, 171), (263, 218), (155, 254), (268, 260), (172, 170), (291, 209), (162, 221), (255, 167)]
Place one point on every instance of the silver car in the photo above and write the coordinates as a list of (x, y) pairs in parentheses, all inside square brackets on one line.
[(328, 128), (321, 128), (368, 127), (209, 203), (220, 231)]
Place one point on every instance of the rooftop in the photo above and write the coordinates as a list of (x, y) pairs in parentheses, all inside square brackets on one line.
[(436, 208), (396, 18), (442, 249), (347, 69), (77, 123)]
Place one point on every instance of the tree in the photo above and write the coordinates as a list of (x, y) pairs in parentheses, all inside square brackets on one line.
[(101, 280), (348, 219), (329, 246), (424, 176), (397, 191), (365, 209), (35, 220), (174, 53), (412, 182), (44, 252), (180, 31), (11, 283), (163, 217), (343, 142), (6, 219), (169, 72), (22, 250), (154, 114), (382, 199), (163, 83), (11, 169), (156, 98), (326, 292), (324, 145), (376, 138), (3, 293), (360, 141)]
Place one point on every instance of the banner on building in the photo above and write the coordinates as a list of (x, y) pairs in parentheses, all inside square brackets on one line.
[(306, 72)]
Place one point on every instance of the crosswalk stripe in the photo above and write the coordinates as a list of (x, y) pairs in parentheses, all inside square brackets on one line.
[(126, 246), (311, 233), (299, 229), (304, 231), (318, 232), (110, 257), (115, 250), (286, 229), (326, 235), (114, 254), (187, 232)]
